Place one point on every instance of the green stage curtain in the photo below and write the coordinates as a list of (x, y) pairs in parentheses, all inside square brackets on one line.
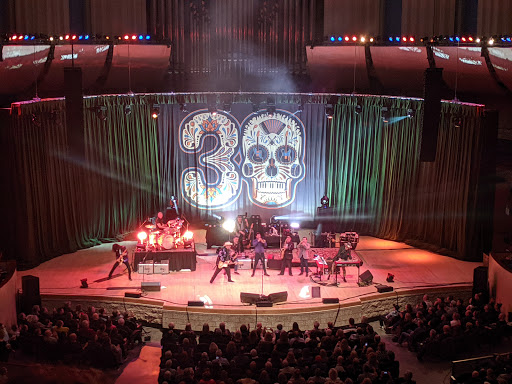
[(379, 186)]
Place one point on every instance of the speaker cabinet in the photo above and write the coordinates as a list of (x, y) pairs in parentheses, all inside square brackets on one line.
[(431, 113), (264, 304), (366, 278), (197, 303), (480, 280), (315, 292), (150, 286), (384, 288), (330, 300), (134, 295), (249, 298), (278, 297)]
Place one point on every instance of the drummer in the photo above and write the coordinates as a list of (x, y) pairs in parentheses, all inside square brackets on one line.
[(159, 221)]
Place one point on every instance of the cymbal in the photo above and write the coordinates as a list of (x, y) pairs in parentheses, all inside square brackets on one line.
[(150, 226)]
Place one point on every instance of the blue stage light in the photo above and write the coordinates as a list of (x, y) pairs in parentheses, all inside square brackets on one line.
[(391, 39), (397, 39), (457, 38), (148, 37), (509, 39), (26, 37), (451, 39), (332, 38), (503, 39), (80, 37), (86, 37), (340, 38), (141, 37), (32, 37)]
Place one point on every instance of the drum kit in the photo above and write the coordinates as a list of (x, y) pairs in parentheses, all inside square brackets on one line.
[(161, 239)]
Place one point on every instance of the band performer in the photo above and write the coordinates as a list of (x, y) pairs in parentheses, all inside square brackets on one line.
[(343, 254), (287, 252), (224, 255), (259, 245), (121, 257), (304, 248), (238, 248), (241, 228), (159, 221)]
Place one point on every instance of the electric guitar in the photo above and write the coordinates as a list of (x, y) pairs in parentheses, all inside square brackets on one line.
[(121, 257)]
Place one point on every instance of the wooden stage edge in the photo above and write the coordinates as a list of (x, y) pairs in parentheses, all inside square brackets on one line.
[(159, 313)]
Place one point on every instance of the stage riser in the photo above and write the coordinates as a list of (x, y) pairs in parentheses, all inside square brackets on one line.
[(156, 312)]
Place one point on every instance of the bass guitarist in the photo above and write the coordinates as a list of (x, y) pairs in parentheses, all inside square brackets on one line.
[(224, 255), (121, 257)]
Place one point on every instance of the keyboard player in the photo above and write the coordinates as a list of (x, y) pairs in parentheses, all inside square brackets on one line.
[(343, 254)]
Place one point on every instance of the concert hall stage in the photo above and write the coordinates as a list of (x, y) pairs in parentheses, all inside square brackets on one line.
[(416, 272)]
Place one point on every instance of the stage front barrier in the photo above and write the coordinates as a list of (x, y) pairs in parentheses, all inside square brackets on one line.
[(177, 259)]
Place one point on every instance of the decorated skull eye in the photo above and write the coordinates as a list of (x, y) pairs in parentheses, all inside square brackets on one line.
[(257, 154), (285, 154)]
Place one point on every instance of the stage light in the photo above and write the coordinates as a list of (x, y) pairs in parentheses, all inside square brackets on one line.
[(73, 37), (372, 39), (86, 37), (20, 37), (25, 37), (404, 39), (14, 37), (463, 39), (457, 38), (470, 38), (329, 111), (213, 110), (148, 37), (294, 225), (226, 107), (67, 37), (347, 38), (410, 113), (363, 39), (126, 37), (61, 38), (384, 114), (51, 38), (271, 109), (451, 39), (155, 111), (477, 40), (411, 39), (101, 113), (83, 283), (142, 236), (359, 109), (127, 110), (183, 108), (80, 37), (332, 38), (390, 39), (141, 37), (354, 38), (390, 278), (229, 225), (397, 39), (491, 41), (134, 37), (340, 38), (324, 201), (187, 236)]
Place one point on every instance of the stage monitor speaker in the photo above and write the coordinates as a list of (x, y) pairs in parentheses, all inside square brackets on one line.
[(30, 285), (264, 303), (431, 113), (384, 288), (480, 280), (366, 277), (74, 110), (278, 297), (150, 286), (315, 292), (249, 298), (135, 295), (330, 300), (197, 303)]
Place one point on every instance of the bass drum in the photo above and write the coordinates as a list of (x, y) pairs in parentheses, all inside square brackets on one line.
[(166, 242)]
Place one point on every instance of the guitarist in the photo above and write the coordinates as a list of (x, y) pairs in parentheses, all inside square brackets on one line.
[(121, 257), (287, 253), (241, 228), (224, 255)]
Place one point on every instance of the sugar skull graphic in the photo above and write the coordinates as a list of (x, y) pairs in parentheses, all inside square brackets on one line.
[(273, 152)]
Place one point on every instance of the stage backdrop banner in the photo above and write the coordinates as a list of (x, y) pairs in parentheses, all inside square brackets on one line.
[(243, 161)]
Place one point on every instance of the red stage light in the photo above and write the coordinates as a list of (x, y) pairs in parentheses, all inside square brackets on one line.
[(188, 236), (463, 39), (134, 37), (74, 37), (404, 39), (411, 39), (470, 38), (20, 37), (67, 37), (347, 38), (14, 37), (354, 38), (126, 37)]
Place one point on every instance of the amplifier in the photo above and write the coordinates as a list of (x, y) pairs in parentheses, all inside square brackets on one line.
[(384, 288), (135, 295), (150, 286), (244, 263), (146, 268), (161, 267)]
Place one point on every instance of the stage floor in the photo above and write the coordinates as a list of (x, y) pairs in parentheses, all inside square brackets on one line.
[(412, 268)]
